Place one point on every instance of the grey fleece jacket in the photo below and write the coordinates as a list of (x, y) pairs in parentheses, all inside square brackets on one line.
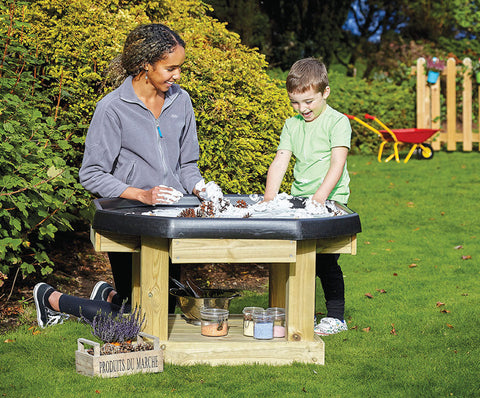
[(124, 148)]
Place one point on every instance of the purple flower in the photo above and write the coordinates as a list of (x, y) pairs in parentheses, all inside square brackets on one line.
[(122, 327)]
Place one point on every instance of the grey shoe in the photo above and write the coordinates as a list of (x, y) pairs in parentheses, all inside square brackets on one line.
[(101, 291), (45, 315)]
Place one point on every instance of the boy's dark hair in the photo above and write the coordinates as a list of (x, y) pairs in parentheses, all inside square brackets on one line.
[(305, 74)]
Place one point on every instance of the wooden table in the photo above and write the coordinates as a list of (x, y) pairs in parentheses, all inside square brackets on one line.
[(292, 286)]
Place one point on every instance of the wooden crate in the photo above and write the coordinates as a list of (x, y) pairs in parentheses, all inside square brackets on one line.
[(115, 365), (186, 346)]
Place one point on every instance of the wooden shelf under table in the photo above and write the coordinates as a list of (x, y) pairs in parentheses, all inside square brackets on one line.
[(187, 346)]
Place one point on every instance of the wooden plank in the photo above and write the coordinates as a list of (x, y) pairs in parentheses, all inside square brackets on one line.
[(232, 251), (154, 285), (337, 244), (300, 303), (105, 241), (435, 114), (451, 104), (421, 94), (467, 105), (186, 346), (277, 285)]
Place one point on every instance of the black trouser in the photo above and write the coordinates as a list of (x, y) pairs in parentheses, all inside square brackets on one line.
[(121, 264), (331, 276)]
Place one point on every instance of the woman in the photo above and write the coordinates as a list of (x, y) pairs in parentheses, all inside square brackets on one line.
[(141, 145)]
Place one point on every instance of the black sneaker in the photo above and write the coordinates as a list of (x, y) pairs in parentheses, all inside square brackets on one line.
[(101, 291), (45, 315)]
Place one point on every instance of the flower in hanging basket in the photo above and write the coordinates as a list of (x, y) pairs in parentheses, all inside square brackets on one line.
[(434, 67), (435, 64)]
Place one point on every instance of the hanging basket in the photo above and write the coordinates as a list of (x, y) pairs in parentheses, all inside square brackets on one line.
[(432, 76)]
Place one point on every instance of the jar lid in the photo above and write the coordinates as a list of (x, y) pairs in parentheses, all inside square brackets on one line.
[(262, 316), (276, 310), (214, 313), (250, 310)]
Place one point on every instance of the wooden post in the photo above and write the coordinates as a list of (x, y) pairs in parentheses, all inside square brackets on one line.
[(435, 113), (451, 105), (467, 105), (154, 283), (277, 283), (421, 94), (300, 306)]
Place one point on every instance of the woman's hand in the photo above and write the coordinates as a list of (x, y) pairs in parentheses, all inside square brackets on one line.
[(157, 195)]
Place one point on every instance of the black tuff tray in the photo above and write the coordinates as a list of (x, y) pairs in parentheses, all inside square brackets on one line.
[(125, 217)]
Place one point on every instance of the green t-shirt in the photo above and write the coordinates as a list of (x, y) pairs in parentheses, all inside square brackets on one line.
[(311, 143)]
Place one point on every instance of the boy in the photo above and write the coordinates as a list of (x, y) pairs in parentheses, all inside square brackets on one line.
[(319, 138)]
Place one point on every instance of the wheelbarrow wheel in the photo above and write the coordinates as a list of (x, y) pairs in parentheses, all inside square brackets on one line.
[(426, 153)]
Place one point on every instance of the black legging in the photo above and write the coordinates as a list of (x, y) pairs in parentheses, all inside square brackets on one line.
[(87, 308), (121, 264), (331, 276)]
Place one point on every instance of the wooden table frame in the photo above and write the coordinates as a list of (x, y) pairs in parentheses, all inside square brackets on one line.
[(291, 285)]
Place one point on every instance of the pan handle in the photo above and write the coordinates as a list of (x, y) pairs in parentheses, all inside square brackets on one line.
[(367, 116)]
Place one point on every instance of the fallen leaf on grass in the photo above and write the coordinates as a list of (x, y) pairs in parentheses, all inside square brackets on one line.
[(395, 274), (381, 290), (445, 311), (367, 329), (413, 265), (9, 341), (439, 303), (466, 257), (458, 247), (304, 390), (411, 204), (450, 326), (369, 295), (393, 331), (416, 229)]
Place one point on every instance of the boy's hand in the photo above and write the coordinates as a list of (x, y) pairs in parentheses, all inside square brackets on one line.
[(319, 199)]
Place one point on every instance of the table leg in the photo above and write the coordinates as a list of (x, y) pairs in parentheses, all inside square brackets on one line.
[(154, 285), (277, 282), (300, 301)]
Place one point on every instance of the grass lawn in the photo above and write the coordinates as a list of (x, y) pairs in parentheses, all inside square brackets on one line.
[(415, 336)]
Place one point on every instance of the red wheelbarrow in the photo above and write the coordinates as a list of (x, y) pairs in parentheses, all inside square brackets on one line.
[(414, 136)]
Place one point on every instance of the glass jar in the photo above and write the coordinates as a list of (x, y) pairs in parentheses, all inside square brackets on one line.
[(262, 325), (248, 320), (278, 321), (214, 322)]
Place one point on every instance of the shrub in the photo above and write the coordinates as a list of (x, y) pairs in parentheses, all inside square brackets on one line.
[(37, 187)]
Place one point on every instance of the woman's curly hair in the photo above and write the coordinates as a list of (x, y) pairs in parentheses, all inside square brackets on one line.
[(146, 44)]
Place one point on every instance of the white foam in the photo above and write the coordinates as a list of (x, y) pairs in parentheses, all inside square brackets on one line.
[(280, 207)]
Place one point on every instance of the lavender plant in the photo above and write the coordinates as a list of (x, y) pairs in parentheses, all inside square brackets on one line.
[(123, 327)]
